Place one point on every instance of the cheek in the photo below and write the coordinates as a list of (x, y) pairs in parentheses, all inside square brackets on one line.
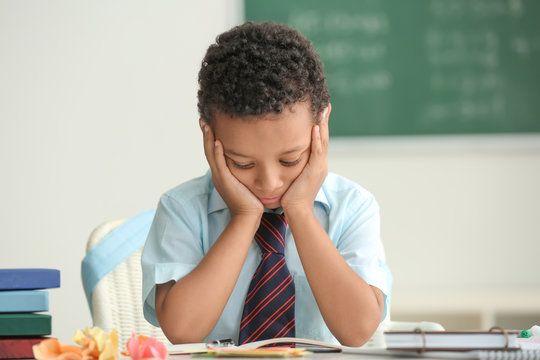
[(244, 176), (293, 172)]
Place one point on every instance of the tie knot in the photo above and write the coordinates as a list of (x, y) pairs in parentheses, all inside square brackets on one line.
[(271, 233)]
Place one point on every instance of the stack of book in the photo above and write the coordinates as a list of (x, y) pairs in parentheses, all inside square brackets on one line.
[(22, 303)]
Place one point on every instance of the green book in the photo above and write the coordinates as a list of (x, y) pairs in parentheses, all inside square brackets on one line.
[(24, 324)]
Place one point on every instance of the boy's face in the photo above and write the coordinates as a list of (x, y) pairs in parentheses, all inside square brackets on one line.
[(267, 153)]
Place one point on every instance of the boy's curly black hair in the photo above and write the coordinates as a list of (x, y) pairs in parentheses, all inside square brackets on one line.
[(258, 68)]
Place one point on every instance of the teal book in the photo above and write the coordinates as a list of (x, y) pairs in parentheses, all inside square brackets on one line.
[(24, 301), (25, 324), (29, 279)]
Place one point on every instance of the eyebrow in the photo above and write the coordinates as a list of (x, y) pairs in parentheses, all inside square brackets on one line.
[(290, 151)]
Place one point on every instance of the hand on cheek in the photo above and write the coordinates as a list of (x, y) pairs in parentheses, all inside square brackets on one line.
[(238, 197), (302, 192)]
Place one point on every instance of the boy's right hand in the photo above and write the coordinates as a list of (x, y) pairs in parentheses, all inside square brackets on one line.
[(236, 195)]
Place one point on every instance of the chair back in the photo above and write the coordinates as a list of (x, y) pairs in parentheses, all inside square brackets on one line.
[(116, 299)]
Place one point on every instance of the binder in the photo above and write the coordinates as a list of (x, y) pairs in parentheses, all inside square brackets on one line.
[(451, 340)]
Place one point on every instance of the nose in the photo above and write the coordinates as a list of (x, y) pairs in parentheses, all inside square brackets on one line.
[(268, 180)]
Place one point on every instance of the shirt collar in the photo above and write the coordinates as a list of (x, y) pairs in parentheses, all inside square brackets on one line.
[(216, 202)]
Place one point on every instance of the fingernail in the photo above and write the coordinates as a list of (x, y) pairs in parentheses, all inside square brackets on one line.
[(215, 143)]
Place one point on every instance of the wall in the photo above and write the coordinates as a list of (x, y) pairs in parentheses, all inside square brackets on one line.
[(98, 117), (459, 222)]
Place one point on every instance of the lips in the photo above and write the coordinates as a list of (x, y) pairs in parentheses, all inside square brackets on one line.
[(270, 201)]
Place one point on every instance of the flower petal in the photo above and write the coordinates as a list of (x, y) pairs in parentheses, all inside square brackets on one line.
[(47, 349), (99, 336), (69, 356), (153, 348), (79, 337), (51, 349), (132, 346), (110, 350)]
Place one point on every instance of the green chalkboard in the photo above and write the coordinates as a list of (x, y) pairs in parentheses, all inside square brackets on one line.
[(413, 67)]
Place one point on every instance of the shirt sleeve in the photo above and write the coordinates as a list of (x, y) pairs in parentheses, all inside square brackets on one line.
[(360, 243), (172, 250)]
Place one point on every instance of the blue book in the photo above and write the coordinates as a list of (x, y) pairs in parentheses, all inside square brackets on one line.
[(24, 301), (29, 279)]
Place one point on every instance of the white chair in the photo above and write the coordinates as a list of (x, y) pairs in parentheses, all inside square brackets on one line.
[(117, 299)]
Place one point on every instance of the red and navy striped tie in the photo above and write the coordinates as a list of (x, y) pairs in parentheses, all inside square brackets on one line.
[(269, 307)]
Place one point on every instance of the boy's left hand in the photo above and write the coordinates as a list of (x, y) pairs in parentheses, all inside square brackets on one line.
[(302, 192)]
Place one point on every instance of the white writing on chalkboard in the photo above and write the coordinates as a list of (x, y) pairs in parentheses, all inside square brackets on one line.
[(343, 51), (353, 38), (465, 78), (342, 22), (453, 46), (360, 82), (477, 8), (525, 45), (463, 110)]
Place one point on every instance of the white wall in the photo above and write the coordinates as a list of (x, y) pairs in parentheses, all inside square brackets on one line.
[(460, 223), (98, 117)]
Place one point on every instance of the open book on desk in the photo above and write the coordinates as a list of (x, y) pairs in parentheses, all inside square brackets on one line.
[(269, 344)]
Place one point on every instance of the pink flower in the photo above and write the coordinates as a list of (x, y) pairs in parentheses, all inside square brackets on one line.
[(144, 347)]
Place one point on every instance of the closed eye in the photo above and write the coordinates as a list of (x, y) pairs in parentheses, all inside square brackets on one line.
[(290, 163), (242, 166)]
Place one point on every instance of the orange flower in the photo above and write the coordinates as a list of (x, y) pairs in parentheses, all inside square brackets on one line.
[(94, 344), (51, 349), (143, 347)]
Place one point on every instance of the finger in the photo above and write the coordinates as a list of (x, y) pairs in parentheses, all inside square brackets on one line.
[(208, 143), (219, 158), (221, 164), (324, 115), (319, 148), (323, 123), (316, 145), (202, 123)]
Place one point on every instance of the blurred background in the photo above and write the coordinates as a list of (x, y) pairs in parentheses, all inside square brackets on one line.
[(98, 118)]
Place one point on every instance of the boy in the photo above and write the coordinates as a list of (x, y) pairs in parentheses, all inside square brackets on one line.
[(264, 109)]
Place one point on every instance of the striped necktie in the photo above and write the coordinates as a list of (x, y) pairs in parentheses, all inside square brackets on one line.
[(269, 306)]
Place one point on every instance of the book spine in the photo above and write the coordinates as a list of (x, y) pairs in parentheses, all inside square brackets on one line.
[(24, 301), (18, 348), (24, 324), (29, 279)]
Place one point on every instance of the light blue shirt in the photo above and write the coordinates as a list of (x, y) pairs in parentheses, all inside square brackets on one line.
[(190, 217)]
